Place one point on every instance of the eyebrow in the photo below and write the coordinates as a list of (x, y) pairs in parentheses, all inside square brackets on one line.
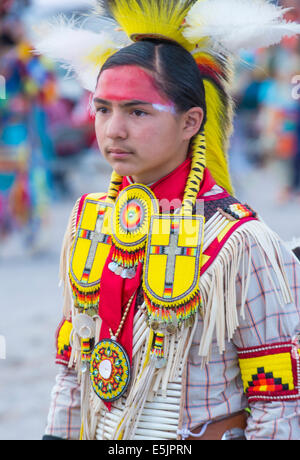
[(97, 100)]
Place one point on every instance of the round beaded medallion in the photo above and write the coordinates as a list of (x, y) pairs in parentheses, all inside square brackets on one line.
[(109, 370), (131, 217)]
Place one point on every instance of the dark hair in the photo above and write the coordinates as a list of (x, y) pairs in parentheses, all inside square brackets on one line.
[(297, 252), (173, 68), (6, 39)]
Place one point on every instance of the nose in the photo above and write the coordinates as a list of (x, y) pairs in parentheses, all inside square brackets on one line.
[(116, 127)]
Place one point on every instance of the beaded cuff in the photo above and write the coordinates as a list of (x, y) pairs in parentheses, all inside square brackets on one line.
[(271, 372), (63, 346)]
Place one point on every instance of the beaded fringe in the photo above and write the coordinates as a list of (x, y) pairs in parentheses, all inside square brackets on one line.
[(128, 259)]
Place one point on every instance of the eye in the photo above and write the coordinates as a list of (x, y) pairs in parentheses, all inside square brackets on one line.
[(101, 110), (139, 113)]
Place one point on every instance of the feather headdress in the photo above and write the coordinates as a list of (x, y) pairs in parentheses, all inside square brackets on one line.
[(214, 31), (233, 25), (155, 18)]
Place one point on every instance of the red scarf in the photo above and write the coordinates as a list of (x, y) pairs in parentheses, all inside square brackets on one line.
[(115, 291)]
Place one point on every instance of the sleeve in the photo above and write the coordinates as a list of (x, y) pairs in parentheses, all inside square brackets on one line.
[(268, 347), (64, 412)]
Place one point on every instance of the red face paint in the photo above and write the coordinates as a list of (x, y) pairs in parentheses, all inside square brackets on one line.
[(129, 83)]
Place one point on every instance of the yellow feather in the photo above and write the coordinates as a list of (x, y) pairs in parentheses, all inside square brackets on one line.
[(99, 55), (218, 127), (151, 18), (216, 156)]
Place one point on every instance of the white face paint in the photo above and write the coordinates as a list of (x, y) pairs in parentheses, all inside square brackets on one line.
[(165, 108)]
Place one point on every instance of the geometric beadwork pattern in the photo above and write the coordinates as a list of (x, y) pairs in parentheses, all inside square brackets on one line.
[(131, 217), (265, 381), (130, 224), (63, 346), (239, 211), (109, 370), (271, 372)]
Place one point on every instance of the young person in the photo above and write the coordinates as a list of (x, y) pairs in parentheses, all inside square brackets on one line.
[(185, 306)]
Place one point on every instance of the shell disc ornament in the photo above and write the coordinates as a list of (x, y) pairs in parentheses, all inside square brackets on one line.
[(130, 224), (109, 370)]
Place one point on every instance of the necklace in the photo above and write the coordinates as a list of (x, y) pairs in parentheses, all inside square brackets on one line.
[(110, 365)]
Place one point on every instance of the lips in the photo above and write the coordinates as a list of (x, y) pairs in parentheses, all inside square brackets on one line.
[(116, 152)]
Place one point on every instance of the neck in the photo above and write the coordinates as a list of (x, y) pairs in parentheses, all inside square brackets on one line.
[(150, 177), (170, 188)]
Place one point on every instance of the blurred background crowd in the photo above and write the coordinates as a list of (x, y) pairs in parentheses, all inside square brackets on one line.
[(45, 125), (49, 157), (267, 92)]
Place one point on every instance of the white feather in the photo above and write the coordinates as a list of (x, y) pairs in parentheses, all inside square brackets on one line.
[(67, 43), (238, 24), (251, 37)]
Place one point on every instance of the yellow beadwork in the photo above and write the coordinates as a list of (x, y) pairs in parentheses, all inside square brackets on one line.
[(64, 334), (173, 283), (85, 274), (279, 365), (130, 224)]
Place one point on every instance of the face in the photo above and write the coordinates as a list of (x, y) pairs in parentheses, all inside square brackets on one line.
[(137, 128)]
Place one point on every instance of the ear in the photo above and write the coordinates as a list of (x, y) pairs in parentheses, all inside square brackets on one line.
[(192, 121)]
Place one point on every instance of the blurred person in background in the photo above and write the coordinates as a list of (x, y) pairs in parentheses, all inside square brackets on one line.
[(26, 148), (44, 126), (71, 126), (266, 134), (277, 116), (5, 7), (245, 148)]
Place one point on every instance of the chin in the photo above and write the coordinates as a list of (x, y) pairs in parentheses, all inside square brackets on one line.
[(123, 170)]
